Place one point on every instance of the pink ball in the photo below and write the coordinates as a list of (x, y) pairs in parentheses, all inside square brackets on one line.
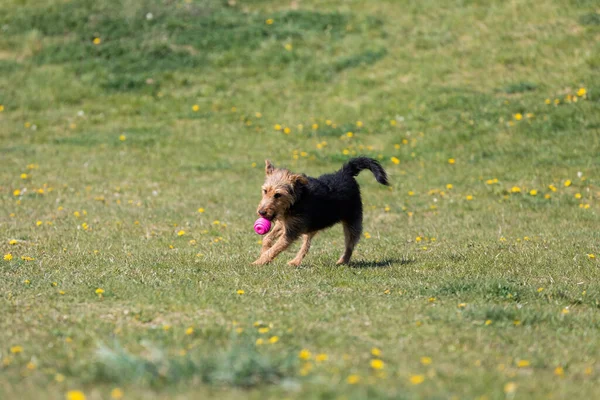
[(262, 226)]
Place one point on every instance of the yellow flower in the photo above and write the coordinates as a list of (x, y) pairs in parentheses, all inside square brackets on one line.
[(556, 101), (377, 364), (288, 46), (353, 379), (376, 352), (591, 256), (518, 116), (240, 292), (1, 108), (16, 349), (8, 257), (12, 242), (510, 387), (16, 192), (264, 329), (426, 360), (547, 101), (581, 92), (578, 196), (116, 394), (359, 124), (411, 193), (451, 161), (469, 197), (417, 379), (462, 305), (488, 322), (122, 138), (75, 395), (259, 341), (559, 371), (315, 126), (367, 235), (38, 223), (449, 186), (431, 299), (393, 122), (321, 357), (386, 208), (277, 127), (31, 366), (395, 160), (189, 331), (274, 339), (59, 378), (533, 192), (287, 130), (304, 354), (540, 290), (568, 183), (97, 41), (27, 281), (349, 134), (27, 258), (515, 189), (181, 233), (269, 21), (99, 291), (522, 363), (565, 310)]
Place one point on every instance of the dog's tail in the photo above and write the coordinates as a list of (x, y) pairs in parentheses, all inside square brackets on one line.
[(355, 165)]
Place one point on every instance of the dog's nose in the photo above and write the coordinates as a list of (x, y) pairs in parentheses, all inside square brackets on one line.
[(262, 213)]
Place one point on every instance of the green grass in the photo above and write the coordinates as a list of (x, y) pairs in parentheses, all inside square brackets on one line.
[(481, 290)]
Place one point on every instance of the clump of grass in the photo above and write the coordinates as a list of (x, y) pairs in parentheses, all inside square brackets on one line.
[(241, 364)]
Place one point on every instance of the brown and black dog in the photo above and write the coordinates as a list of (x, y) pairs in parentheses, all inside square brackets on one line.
[(301, 206)]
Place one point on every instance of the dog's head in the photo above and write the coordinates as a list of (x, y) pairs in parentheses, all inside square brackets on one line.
[(279, 192)]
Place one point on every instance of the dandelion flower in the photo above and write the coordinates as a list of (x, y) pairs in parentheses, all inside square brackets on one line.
[(122, 138), (451, 161), (591, 256), (16, 349), (377, 364), (16, 192), (367, 235), (510, 387), (269, 21), (349, 134), (559, 371), (417, 379), (515, 189), (287, 130), (469, 197), (449, 186), (240, 292), (321, 357), (353, 379), (376, 352), (395, 160), (426, 360), (488, 322), (97, 41), (99, 291), (189, 331), (304, 354), (8, 257), (568, 183), (181, 233), (116, 394), (75, 395), (274, 339), (523, 363), (533, 192), (518, 116), (581, 92), (548, 101), (359, 124), (578, 196)]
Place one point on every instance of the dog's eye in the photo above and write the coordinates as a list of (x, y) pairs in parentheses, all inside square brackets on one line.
[(264, 191), (277, 195)]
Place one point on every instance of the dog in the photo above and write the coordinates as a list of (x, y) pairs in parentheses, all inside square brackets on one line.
[(301, 206)]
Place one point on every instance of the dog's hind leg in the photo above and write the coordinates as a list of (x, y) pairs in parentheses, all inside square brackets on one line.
[(306, 238), (270, 237), (352, 231)]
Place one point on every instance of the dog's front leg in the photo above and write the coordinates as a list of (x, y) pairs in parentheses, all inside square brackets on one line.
[(280, 245), (270, 237)]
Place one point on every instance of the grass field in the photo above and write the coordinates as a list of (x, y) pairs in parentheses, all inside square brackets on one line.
[(132, 143)]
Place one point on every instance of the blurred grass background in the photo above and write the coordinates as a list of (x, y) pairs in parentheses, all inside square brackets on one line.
[(133, 136)]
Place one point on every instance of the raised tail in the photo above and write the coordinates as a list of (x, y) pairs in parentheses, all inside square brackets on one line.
[(355, 165)]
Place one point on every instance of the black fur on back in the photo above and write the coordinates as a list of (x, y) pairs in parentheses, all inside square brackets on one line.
[(333, 198)]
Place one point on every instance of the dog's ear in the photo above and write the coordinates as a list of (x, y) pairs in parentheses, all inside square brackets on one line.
[(269, 168), (299, 179)]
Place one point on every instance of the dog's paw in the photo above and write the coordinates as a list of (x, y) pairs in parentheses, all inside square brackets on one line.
[(294, 263), (341, 261), (260, 261)]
